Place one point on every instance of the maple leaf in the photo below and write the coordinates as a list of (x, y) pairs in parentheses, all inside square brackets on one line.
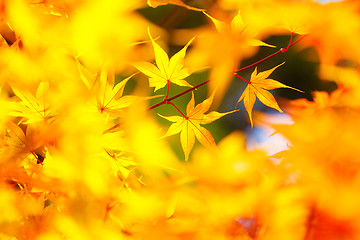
[(190, 128), (24, 143), (167, 70), (237, 29), (234, 40), (109, 98), (32, 108), (258, 86)]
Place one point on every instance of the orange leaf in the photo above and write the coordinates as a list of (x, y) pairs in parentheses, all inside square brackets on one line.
[(257, 87), (237, 29)]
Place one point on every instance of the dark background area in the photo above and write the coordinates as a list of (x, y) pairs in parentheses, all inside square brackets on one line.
[(299, 71)]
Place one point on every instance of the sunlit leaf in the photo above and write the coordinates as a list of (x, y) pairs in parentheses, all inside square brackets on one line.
[(165, 70), (190, 128), (258, 87)]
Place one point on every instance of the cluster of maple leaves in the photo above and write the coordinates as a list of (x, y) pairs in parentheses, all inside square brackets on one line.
[(83, 156)]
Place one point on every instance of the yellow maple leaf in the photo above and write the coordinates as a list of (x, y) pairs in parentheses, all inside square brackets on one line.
[(237, 29), (189, 126), (234, 40), (109, 97), (166, 70), (32, 108), (258, 86)]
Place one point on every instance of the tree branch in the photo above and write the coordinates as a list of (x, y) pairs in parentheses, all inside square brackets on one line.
[(281, 50)]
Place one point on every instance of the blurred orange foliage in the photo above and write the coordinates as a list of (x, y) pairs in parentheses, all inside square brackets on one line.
[(84, 155)]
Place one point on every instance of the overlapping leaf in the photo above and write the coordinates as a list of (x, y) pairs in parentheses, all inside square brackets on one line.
[(233, 41), (24, 143), (258, 87), (237, 29), (190, 126), (32, 108), (166, 70), (109, 98)]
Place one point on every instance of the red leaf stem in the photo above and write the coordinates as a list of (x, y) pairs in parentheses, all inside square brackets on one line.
[(167, 102)]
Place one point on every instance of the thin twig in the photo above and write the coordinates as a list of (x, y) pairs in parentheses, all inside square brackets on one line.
[(281, 50)]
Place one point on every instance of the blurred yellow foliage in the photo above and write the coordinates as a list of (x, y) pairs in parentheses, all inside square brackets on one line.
[(83, 153)]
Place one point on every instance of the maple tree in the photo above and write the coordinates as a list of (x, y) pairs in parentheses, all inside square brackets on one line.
[(92, 92)]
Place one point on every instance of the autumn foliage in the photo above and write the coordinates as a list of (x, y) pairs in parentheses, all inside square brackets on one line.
[(94, 93)]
